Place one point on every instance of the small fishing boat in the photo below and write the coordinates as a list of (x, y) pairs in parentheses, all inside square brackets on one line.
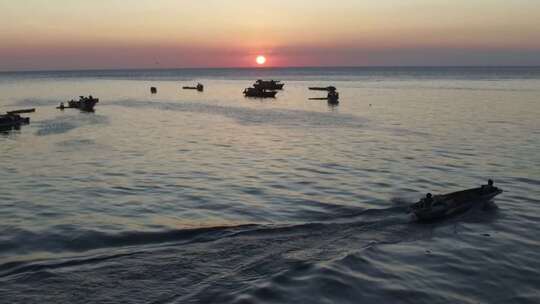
[(253, 92), (445, 205), (85, 104), (271, 85), (329, 88), (199, 87), (332, 97), (12, 119)]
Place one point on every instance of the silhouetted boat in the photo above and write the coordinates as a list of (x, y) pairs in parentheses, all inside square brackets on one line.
[(329, 88), (199, 87), (253, 92), (332, 97), (84, 104), (271, 85), (453, 203), (21, 111), (12, 119)]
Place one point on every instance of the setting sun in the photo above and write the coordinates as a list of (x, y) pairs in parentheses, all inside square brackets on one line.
[(260, 60)]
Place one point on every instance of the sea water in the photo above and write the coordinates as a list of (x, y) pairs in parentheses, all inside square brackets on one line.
[(211, 197)]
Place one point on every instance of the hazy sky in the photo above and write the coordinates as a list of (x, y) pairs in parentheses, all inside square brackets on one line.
[(81, 34)]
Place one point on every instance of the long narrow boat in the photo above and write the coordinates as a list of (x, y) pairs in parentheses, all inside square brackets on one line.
[(332, 97), (21, 111), (329, 88), (446, 205), (199, 87)]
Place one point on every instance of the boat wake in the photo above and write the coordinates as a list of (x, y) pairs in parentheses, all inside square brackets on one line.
[(66, 240), (64, 124), (227, 264), (254, 263), (248, 116)]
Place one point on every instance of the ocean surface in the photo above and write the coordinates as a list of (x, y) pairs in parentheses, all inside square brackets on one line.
[(188, 197)]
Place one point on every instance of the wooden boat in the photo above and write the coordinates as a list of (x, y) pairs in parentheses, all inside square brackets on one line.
[(199, 87), (329, 88), (271, 85), (446, 205), (12, 119), (85, 104), (253, 92)]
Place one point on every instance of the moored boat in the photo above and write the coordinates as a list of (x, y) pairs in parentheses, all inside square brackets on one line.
[(445, 205), (199, 87), (329, 88), (271, 85), (261, 93), (12, 119), (333, 97), (85, 104)]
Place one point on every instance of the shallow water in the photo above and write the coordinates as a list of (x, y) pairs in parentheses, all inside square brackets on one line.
[(187, 197)]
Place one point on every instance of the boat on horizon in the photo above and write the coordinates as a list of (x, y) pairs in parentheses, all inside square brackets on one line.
[(445, 205)]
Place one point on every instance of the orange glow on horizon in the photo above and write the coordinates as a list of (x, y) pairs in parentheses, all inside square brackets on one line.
[(39, 35)]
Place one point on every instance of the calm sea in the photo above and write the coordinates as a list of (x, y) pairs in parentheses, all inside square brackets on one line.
[(188, 197)]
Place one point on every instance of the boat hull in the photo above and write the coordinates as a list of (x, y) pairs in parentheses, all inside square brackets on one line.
[(251, 92), (453, 203), (200, 89)]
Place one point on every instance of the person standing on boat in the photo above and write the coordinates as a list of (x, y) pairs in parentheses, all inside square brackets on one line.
[(428, 201), (489, 187)]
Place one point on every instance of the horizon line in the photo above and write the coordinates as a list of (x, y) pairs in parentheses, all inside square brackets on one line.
[(265, 68)]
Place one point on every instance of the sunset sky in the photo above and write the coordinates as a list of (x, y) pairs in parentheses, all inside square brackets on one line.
[(96, 34)]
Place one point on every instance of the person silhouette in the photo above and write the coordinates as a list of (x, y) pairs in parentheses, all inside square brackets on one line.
[(428, 201)]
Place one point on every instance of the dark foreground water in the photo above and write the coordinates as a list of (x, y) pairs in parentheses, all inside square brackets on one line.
[(186, 197)]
